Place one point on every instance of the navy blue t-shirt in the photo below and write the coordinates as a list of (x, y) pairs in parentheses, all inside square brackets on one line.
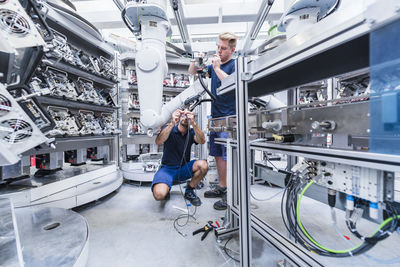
[(174, 146), (225, 105)]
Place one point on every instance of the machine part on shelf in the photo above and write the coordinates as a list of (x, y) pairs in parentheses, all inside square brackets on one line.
[(48, 163), (58, 83), (323, 125), (88, 124), (18, 170), (76, 157), (275, 125), (18, 26), (108, 124), (88, 93), (98, 153), (356, 181), (134, 127), (133, 102), (65, 122), (60, 49), (32, 107), (18, 133)]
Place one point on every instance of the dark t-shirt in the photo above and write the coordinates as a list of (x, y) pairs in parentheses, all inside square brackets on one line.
[(225, 105), (174, 147)]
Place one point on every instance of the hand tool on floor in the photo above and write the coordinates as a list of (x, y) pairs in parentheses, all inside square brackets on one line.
[(206, 229)]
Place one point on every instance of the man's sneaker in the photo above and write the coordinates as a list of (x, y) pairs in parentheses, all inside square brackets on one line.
[(220, 204), (192, 197), (216, 192)]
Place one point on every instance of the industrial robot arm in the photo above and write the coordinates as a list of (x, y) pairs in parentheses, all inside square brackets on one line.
[(150, 20)]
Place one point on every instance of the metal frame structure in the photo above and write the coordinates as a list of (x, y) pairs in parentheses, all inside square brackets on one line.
[(349, 34)]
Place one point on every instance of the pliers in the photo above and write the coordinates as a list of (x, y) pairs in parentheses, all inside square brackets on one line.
[(206, 229)]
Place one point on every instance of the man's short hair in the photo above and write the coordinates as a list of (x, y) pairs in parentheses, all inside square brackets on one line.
[(230, 37)]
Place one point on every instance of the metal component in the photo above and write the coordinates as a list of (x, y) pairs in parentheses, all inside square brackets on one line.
[(45, 226), (246, 76), (223, 233), (10, 243), (18, 28), (275, 125), (180, 21), (244, 184), (324, 125), (262, 14), (18, 133)]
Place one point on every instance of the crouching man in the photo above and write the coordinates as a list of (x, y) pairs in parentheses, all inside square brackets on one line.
[(176, 165)]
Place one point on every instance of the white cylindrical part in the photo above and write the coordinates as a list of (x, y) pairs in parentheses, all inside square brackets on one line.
[(151, 68), (276, 125), (350, 202), (373, 210), (273, 102)]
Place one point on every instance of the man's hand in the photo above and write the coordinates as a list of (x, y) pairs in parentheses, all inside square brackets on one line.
[(190, 116), (176, 116), (216, 62)]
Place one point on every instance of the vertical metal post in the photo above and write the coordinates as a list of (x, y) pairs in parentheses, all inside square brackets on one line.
[(244, 165)]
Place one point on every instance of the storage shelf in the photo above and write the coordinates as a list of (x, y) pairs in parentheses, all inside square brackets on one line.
[(74, 104), (78, 30), (166, 89), (78, 72), (335, 45)]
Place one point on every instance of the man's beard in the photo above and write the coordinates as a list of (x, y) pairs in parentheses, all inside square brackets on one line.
[(184, 124)]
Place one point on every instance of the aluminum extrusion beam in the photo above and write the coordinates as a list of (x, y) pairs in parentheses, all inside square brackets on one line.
[(244, 165), (262, 14), (182, 25)]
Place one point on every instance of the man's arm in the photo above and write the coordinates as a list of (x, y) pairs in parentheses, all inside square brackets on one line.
[(164, 134), (216, 61), (199, 136), (192, 67)]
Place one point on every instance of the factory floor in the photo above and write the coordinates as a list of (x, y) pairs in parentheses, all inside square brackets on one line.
[(130, 228)]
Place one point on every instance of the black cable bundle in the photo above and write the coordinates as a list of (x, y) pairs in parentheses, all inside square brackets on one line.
[(290, 213)]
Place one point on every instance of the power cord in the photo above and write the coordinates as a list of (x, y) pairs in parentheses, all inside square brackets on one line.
[(226, 250), (187, 215), (294, 194)]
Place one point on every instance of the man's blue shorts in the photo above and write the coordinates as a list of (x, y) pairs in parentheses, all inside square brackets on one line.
[(168, 174), (218, 150)]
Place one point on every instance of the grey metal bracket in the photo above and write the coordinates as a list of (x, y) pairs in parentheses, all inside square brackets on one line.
[(246, 76)]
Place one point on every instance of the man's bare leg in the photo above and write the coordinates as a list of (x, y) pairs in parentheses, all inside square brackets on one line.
[(221, 168), (200, 169), (160, 191)]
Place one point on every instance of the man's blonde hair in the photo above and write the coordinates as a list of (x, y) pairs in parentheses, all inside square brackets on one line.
[(230, 37)]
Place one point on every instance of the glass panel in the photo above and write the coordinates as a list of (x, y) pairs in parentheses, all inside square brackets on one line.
[(385, 89)]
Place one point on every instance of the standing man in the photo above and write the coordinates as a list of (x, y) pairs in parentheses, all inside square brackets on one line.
[(176, 165), (222, 66)]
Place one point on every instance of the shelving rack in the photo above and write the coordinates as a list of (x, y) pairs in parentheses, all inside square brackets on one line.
[(337, 45), (134, 145)]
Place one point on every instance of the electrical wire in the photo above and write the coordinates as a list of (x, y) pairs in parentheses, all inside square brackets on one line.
[(266, 199), (381, 261), (186, 215), (226, 250), (307, 241)]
